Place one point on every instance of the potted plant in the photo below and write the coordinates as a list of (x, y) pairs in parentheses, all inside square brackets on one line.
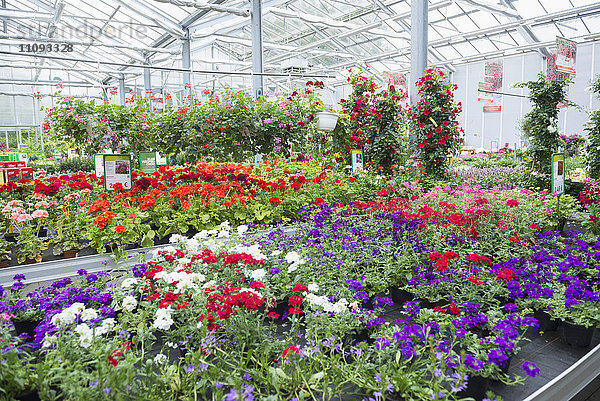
[(67, 239), (23, 311), (5, 252), (30, 247), (326, 120)]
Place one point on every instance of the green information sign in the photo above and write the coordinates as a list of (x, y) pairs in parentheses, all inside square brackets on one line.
[(117, 170), (148, 162)]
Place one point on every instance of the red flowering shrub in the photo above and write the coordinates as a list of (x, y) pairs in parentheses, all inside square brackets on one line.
[(434, 121)]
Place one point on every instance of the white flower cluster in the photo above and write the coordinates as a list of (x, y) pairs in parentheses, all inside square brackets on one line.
[(295, 261), (129, 303), (85, 332), (163, 319), (326, 304), (183, 281), (253, 250)]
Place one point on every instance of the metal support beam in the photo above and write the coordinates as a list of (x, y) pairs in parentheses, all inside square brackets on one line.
[(24, 14), (147, 80), (186, 62), (122, 89), (207, 6), (257, 47), (418, 47), (4, 28), (150, 13)]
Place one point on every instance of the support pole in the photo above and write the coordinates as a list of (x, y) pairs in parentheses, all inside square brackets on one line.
[(257, 47), (147, 80), (419, 20), (122, 89), (186, 63)]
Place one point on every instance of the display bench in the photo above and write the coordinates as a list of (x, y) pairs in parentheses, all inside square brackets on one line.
[(566, 372)]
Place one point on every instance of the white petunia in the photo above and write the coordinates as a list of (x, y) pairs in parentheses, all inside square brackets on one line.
[(89, 314), (292, 257), (258, 274), (106, 326), (313, 287), (223, 234), (176, 238), (242, 229), (160, 359), (163, 319), (86, 335), (129, 303), (276, 253), (128, 282)]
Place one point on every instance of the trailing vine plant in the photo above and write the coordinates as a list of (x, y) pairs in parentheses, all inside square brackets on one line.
[(540, 125), (593, 130)]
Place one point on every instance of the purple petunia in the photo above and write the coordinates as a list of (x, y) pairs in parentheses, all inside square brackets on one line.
[(530, 369)]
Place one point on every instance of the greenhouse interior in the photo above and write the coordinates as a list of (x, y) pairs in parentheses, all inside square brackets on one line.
[(300, 200)]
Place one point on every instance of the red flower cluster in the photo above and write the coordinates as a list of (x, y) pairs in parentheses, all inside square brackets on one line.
[(506, 275)]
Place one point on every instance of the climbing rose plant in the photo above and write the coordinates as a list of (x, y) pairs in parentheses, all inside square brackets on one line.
[(434, 123)]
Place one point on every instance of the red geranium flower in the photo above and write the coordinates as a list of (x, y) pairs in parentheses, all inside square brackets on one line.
[(535, 227), (319, 201), (120, 228), (274, 201), (512, 203)]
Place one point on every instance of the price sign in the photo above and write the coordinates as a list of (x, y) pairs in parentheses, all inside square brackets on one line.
[(558, 173), (357, 161)]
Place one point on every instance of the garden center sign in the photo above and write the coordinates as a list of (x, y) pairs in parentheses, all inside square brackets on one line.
[(117, 170)]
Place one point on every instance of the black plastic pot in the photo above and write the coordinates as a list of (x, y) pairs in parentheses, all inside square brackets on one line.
[(577, 335), (476, 388), (26, 326), (545, 321), (399, 297), (28, 396)]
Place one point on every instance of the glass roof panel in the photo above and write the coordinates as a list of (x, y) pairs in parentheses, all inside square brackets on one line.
[(330, 34)]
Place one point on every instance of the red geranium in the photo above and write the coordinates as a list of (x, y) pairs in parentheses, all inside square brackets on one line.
[(274, 201)]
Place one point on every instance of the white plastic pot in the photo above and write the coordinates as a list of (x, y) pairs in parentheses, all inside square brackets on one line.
[(326, 121)]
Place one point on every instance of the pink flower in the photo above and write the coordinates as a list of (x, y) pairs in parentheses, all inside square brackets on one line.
[(21, 217), (42, 205), (39, 213)]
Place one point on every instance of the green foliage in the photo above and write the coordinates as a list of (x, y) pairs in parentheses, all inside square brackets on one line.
[(62, 166), (540, 125), (434, 122), (84, 125), (376, 121), (593, 130)]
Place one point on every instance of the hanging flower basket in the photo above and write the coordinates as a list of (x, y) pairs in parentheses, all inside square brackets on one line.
[(326, 121)]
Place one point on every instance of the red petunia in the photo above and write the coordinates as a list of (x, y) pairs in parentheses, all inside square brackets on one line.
[(289, 349), (300, 288), (453, 308), (506, 275)]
